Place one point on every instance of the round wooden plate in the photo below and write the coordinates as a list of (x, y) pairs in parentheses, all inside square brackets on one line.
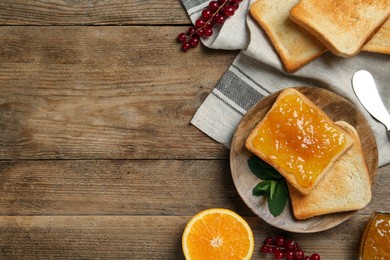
[(337, 108)]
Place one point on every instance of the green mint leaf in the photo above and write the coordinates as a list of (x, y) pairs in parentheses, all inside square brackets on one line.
[(262, 164), (272, 189), (262, 170), (279, 199), (261, 189)]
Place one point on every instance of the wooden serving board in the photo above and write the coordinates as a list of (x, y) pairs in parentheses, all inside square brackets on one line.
[(337, 108)]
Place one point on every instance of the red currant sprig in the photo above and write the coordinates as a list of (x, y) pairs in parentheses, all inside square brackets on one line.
[(282, 248), (215, 13)]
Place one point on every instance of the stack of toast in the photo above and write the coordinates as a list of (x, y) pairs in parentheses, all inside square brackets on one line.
[(302, 30), (322, 161)]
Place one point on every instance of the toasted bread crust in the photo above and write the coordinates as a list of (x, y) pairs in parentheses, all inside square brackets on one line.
[(380, 42), (346, 187), (294, 45), (343, 26), (290, 178)]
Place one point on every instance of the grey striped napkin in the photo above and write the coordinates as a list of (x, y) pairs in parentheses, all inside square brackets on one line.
[(257, 72)]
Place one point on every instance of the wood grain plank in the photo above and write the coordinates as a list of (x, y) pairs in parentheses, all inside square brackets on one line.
[(135, 187), (103, 92), (131, 187), (144, 237), (75, 12)]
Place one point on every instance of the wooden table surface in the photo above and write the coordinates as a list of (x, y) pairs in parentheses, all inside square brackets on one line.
[(98, 156)]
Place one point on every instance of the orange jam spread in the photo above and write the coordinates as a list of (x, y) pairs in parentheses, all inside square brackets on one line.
[(377, 240), (299, 139)]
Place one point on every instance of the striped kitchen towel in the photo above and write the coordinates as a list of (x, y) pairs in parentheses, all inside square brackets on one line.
[(257, 71)]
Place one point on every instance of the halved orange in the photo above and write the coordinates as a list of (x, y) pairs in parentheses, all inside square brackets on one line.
[(217, 234)]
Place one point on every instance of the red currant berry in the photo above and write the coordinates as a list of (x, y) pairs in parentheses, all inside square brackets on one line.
[(269, 241), (280, 241), (207, 14), (194, 41), (264, 249), (296, 246), (290, 244), (219, 18), (298, 254), (214, 6), (217, 11), (186, 46), (200, 23), (228, 10), (315, 257), (290, 255), (236, 1), (306, 257), (234, 5), (182, 37), (270, 249), (191, 30), (208, 32), (200, 32), (279, 254), (209, 24)]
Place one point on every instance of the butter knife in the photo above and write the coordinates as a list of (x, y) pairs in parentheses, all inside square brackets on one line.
[(365, 89)]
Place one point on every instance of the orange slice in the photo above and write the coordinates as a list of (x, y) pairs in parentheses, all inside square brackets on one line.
[(217, 234)]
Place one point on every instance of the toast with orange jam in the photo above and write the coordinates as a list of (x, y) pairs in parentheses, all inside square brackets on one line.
[(346, 187), (299, 140)]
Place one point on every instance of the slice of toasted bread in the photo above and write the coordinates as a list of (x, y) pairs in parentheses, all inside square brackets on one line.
[(380, 42), (299, 140), (294, 45), (346, 187), (343, 26)]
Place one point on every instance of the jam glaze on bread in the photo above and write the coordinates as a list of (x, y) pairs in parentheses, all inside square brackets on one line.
[(299, 140), (346, 187)]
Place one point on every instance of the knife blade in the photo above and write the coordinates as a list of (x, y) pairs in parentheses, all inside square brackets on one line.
[(365, 89)]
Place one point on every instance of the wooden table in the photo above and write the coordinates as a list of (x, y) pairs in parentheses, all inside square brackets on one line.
[(98, 158)]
